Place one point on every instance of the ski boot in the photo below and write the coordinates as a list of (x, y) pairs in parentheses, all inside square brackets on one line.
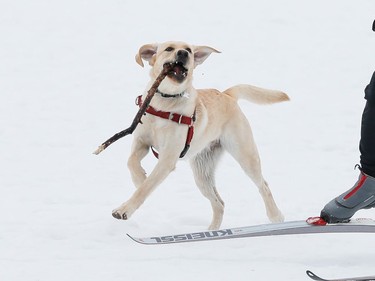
[(343, 207)]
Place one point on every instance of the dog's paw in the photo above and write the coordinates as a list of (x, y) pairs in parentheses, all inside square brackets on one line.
[(119, 216), (213, 227), (124, 211), (277, 218)]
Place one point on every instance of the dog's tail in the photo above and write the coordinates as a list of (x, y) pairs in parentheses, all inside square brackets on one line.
[(256, 95)]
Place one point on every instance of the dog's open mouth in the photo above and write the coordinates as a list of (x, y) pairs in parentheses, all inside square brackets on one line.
[(178, 72)]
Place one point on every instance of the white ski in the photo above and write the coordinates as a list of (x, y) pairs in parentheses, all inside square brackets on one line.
[(285, 228), (317, 278)]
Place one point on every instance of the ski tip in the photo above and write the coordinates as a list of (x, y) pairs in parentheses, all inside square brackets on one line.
[(310, 274), (143, 241), (135, 239), (316, 221), (313, 276)]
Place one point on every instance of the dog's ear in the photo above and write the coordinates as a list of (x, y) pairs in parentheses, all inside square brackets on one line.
[(201, 53), (146, 52)]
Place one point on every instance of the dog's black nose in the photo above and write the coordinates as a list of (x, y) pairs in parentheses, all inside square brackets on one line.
[(182, 56)]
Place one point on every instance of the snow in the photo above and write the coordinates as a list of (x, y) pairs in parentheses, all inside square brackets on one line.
[(68, 81)]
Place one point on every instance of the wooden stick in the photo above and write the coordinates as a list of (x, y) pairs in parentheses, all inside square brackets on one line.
[(137, 119)]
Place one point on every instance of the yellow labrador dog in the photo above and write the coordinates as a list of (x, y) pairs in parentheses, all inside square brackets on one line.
[(194, 124)]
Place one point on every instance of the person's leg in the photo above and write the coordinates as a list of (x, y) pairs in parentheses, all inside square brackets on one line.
[(362, 194), (367, 143)]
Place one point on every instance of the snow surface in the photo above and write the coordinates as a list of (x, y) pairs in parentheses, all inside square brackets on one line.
[(68, 81)]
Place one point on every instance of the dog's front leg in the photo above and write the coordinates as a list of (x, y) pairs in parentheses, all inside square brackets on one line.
[(166, 164), (138, 152)]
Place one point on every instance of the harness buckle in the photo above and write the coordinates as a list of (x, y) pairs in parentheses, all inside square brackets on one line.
[(192, 118)]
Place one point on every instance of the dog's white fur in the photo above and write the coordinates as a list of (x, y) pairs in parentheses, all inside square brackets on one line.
[(220, 125)]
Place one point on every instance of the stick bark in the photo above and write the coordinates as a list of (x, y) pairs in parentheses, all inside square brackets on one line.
[(137, 119)]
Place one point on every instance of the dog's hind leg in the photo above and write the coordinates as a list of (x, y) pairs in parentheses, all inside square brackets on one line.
[(138, 152), (239, 142), (203, 166)]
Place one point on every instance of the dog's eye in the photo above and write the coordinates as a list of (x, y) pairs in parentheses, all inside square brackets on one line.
[(169, 49), (188, 49)]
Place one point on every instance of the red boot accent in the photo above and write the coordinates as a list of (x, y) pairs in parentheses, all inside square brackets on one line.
[(359, 185)]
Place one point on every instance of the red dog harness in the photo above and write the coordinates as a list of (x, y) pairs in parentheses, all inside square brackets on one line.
[(175, 117)]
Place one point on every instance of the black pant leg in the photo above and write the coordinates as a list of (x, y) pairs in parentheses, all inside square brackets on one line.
[(367, 142), (370, 90)]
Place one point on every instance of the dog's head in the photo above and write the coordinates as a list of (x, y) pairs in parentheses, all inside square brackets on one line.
[(183, 56)]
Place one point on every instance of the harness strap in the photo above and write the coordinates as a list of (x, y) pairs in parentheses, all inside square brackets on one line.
[(175, 117)]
